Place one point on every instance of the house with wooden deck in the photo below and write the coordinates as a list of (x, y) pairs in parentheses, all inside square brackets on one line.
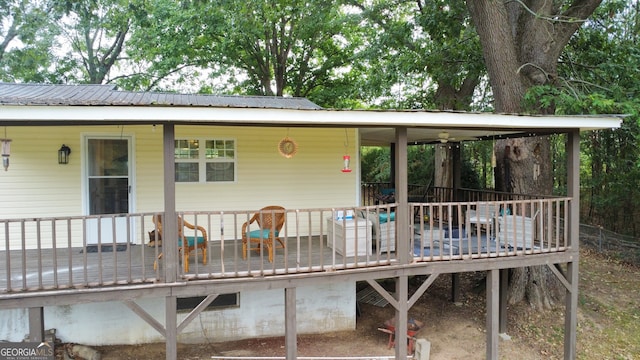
[(138, 217)]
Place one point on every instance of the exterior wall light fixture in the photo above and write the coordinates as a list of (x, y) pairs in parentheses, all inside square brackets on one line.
[(63, 154)]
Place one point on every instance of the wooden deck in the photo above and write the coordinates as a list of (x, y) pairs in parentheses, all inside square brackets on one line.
[(439, 233), (46, 263)]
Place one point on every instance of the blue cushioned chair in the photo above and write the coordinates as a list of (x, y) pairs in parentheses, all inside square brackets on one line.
[(384, 217), (186, 244), (270, 221)]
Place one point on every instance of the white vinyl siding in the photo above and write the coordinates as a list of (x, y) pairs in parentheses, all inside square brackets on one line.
[(35, 185)]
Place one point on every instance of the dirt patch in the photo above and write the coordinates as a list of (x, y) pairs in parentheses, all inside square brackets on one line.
[(609, 294)]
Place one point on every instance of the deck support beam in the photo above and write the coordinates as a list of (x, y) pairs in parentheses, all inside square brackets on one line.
[(418, 293), (171, 327), (170, 240), (402, 319), (290, 325), (573, 239), (196, 311), (402, 197), (504, 295), (571, 313), (493, 317), (455, 287), (144, 315), (456, 172), (36, 324), (170, 221)]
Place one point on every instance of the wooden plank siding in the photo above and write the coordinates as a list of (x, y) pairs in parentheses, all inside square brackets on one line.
[(40, 255)]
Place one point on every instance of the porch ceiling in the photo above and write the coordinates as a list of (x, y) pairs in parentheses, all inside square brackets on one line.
[(385, 136)]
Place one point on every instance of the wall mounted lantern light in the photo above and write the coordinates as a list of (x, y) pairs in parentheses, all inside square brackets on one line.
[(63, 154), (6, 151)]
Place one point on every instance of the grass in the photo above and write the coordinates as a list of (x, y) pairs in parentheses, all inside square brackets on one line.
[(608, 316)]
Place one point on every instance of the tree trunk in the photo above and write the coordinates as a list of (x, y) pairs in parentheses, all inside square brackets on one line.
[(521, 46), (443, 166), (537, 285), (524, 165), (450, 98)]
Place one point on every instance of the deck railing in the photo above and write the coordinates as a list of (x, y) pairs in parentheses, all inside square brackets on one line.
[(95, 251), (447, 231), (371, 190)]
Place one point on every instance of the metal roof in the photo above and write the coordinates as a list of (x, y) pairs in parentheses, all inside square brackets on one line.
[(88, 105), (104, 95)]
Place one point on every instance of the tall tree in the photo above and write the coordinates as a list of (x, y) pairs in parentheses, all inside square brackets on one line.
[(591, 85), (454, 65), (284, 47), (27, 32), (172, 46), (96, 31), (422, 54), (521, 43), (288, 45)]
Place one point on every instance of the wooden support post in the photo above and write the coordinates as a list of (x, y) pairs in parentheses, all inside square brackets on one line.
[(504, 296), (402, 196), (455, 287), (171, 327), (402, 296), (456, 175), (170, 220), (571, 313), (290, 326), (493, 285), (573, 191), (36, 324), (392, 165)]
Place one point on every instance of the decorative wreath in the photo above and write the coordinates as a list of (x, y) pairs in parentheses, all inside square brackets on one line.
[(287, 147)]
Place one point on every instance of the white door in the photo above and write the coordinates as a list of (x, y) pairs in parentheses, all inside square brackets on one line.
[(108, 188)]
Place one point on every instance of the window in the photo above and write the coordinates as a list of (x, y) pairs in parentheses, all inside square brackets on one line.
[(210, 160), (222, 301)]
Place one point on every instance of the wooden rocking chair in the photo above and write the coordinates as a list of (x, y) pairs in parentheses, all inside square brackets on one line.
[(270, 220), (186, 244)]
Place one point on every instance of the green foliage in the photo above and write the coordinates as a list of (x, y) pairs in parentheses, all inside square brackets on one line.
[(421, 162), (419, 54), (96, 31), (284, 47), (27, 32), (477, 170), (168, 42), (588, 85), (345, 54), (376, 164)]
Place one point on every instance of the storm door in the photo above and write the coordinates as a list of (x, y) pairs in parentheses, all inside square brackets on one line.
[(108, 189)]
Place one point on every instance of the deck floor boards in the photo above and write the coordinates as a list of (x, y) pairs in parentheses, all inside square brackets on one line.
[(34, 269), (122, 264)]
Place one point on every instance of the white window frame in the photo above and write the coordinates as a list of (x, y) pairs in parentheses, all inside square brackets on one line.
[(202, 160)]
